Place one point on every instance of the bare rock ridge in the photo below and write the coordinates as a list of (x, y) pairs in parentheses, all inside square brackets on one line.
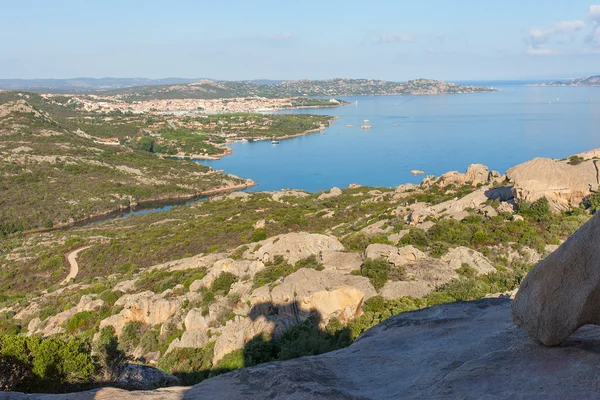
[(562, 292), (467, 350)]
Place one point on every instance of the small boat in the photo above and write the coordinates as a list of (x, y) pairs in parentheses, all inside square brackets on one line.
[(244, 140), (365, 127), (349, 126), (366, 121), (274, 141)]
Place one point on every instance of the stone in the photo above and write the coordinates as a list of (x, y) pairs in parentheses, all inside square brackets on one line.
[(334, 192), (431, 271), (296, 246), (397, 289), (465, 350), (562, 292), (238, 332), (427, 225), (464, 255), (259, 224), (562, 184), (517, 218), (56, 324), (190, 339), (341, 261), (277, 196), (143, 377), (472, 200), (488, 211), (146, 307), (377, 227), (506, 207), (396, 237), (327, 292), (477, 174), (195, 321)]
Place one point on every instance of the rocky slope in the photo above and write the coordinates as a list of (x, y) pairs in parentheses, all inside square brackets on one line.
[(468, 350)]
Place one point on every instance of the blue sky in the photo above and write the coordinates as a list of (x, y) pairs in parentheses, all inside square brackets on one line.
[(393, 40)]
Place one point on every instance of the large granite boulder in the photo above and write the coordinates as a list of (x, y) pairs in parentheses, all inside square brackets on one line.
[(295, 246), (143, 377), (564, 185), (562, 292), (458, 256)]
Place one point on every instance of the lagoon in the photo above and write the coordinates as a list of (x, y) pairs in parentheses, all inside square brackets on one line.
[(435, 134)]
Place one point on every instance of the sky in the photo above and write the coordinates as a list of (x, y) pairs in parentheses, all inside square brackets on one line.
[(239, 40)]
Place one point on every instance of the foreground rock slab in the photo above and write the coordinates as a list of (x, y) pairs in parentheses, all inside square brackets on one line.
[(562, 292), (466, 350)]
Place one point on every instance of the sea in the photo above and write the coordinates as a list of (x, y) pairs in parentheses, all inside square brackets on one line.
[(434, 134)]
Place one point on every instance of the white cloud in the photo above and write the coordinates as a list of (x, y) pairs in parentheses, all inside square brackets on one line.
[(393, 38), (594, 14), (541, 52), (538, 37)]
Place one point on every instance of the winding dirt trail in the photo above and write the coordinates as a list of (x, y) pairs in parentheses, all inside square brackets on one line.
[(72, 258)]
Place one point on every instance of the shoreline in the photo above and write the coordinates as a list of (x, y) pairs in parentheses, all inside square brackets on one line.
[(229, 151), (147, 203)]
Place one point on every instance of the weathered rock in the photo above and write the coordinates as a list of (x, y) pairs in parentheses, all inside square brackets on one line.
[(277, 196), (56, 324), (238, 268), (238, 332), (562, 184), (463, 255), (450, 207), (296, 246), (377, 227), (146, 307), (195, 321), (142, 377), (190, 338), (334, 192), (562, 292), (506, 207), (431, 271), (396, 237), (452, 351), (341, 261), (397, 289), (477, 174), (327, 292)]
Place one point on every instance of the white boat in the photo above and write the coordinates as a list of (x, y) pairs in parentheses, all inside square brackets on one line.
[(274, 141), (244, 140)]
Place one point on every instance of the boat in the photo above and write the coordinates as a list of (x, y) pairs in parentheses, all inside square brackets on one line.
[(244, 140), (365, 127), (274, 141), (349, 126), (366, 121)]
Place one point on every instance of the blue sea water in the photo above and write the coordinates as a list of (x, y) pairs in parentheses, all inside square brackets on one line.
[(435, 134)]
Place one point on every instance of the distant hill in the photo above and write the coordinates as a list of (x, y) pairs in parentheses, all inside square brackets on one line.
[(206, 89), (83, 84), (590, 81)]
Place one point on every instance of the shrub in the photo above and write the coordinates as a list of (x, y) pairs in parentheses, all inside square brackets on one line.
[(130, 336), (82, 321), (310, 262), (190, 365), (222, 284), (356, 242), (377, 271), (258, 235)]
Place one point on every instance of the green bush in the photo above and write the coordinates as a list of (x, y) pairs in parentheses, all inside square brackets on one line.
[(259, 234), (191, 366), (222, 284), (130, 336), (356, 241), (377, 271), (82, 321)]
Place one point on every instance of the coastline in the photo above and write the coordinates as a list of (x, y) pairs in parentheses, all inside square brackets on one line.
[(146, 203), (227, 150)]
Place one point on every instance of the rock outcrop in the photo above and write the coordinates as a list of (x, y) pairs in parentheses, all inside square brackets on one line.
[(463, 255), (466, 350), (562, 292), (564, 185), (295, 246)]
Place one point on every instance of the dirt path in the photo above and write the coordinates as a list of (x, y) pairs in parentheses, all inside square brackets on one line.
[(72, 258)]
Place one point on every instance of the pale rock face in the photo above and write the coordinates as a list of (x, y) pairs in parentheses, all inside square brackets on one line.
[(334, 192), (562, 184), (397, 289), (518, 218), (488, 211), (341, 261), (259, 224), (238, 332), (477, 174), (450, 207), (562, 292), (329, 293), (191, 339), (459, 255), (296, 246), (238, 268), (431, 271), (277, 196), (146, 307), (377, 227), (394, 255), (195, 321), (396, 237), (427, 225), (55, 324), (506, 207)]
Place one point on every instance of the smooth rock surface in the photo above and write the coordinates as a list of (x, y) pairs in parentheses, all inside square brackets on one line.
[(562, 292)]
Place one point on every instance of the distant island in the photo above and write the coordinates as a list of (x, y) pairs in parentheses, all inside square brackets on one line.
[(176, 88), (589, 81)]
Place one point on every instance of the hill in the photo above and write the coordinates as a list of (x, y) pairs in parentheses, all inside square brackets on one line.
[(589, 81), (84, 84), (314, 88)]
